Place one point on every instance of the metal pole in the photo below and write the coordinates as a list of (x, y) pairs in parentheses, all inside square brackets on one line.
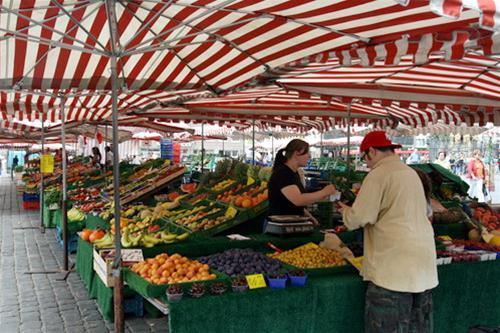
[(202, 146), (105, 157), (64, 203), (117, 276), (272, 148), (42, 226), (349, 141), (321, 144), (253, 142)]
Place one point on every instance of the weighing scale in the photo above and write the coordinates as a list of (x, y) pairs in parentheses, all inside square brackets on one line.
[(289, 225)]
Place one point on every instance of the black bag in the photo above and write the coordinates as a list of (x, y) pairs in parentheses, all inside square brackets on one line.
[(483, 329), (485, 192)]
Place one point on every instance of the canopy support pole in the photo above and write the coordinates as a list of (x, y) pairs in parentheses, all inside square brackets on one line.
[(202, 146), (349, 141), (321, 144), (117, 273), (253, 142), (64, 203), (42, 226), (272, 147)]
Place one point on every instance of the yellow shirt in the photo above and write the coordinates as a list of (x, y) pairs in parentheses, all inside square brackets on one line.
[(399, 249)]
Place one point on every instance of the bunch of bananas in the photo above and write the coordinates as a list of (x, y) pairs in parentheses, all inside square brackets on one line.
[(74, 215)]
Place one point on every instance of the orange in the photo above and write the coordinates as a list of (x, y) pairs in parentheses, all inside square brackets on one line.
[(246, 203), (238, 201)]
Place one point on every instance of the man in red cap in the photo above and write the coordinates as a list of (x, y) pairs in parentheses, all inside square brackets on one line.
[(399, 252)]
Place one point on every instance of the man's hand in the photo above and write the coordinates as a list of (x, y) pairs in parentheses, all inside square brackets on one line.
[(342, 207)]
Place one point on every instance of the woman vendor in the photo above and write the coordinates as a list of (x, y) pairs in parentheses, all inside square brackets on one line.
[(287, 195)]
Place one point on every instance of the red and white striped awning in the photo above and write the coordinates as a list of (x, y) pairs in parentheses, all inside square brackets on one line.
[(208, 45)]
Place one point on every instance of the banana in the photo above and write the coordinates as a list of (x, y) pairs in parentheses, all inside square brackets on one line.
[(183, 236), (165, 236), (125, 240), (135, 240), (106, 241)]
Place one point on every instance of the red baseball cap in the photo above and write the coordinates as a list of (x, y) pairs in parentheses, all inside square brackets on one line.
[(377, 139)]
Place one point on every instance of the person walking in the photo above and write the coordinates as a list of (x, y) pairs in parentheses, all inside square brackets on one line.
[(442, 161), (399, 251), (477, 173), (15, 163)]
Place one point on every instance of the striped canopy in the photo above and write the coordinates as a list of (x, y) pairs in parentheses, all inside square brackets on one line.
[(169, 52)]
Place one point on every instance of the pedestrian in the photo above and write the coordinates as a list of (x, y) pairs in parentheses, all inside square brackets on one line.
[(96, 158), (442, 161), (399, 251), (109, 157), (477, 173), (15, 162), (414, 157)]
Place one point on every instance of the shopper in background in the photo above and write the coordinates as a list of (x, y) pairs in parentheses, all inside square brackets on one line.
[(441, 160), (15, 163), (477, 173), (399, 251), (287, 195), (109, 157), (96, 157), (414, 157)]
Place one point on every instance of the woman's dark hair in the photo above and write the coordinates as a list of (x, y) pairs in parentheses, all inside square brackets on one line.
[(284, 154), (96, 151), (426, 182)]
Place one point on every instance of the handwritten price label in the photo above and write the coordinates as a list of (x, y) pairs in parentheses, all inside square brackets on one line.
[(231, 212), (47, 163), (256, 281)]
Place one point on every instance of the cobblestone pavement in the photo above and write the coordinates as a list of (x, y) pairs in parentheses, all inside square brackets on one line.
[(39, 302)]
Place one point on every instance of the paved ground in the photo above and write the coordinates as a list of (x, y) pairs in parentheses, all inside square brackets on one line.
[(39, 302)]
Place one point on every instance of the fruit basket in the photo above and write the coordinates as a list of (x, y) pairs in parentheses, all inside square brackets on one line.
[(148, 289), (289, 262)]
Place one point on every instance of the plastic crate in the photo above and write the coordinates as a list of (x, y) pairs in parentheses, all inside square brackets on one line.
[(31, 204), (134, 305), (31, 197), (72, 242)]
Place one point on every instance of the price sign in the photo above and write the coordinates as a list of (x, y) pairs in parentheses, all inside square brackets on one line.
[(231, 212), (256, 281), (47, 163), (250, 181)]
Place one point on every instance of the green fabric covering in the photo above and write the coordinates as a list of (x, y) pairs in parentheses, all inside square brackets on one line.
[(454, 230), (84, 262), (95, 222), (465, 297), (104, 297), (48, 221), (56, 217), (445, 173)]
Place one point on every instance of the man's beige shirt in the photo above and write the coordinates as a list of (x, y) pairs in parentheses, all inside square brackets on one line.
[(399, 249)]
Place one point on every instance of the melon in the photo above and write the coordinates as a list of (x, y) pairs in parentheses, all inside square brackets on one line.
[(188, 188)]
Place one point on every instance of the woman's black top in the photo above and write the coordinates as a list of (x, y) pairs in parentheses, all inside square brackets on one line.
[(281, 177)]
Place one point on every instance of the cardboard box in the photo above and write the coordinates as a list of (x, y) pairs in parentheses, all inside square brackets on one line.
[(104, 267)]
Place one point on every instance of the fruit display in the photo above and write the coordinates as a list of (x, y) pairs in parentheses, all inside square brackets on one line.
[(165, 269), (248, 201), (488, 219), (208, 223), (150, 238), (99, 238), (191, 221), (84, 194), (218, 288), (239, 284), (197, 198), (234, 262), (229, 194), (197, 290), (458, 256), (474, 245), (222, 185), (189, 188), (310, 256), (74, 215)]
